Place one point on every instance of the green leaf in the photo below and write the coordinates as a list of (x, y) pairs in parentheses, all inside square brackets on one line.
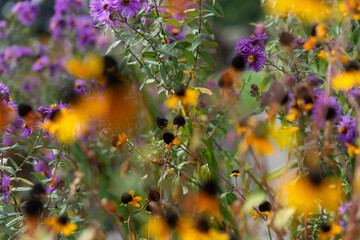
[(16, 146), (112, 46), (196, 41), (173, 22)]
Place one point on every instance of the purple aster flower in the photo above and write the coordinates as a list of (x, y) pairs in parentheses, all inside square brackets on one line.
[(344, 207), (57, 26), (42, 168), (252, 41), (129, 8), (80, 87), (16, 52), (40, 63), (86, 37), (347, 130), (255, 56), (53, 184), (326, 109), (27, 12), (313, 80), (5, 187), (4, 32), (102, 11), (175, 33), (299, 42), (46, 112), (4, 92)]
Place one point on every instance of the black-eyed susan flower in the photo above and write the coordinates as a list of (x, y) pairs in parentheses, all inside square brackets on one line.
[(119, 140), (61, 224), (154, 195), (348, 79), (161, 122), (170, 140), (350, 8), (306, 194), (162, 228), (201, 231), (185, 96), (264, 209), (92, 66), (128, 198), (329, 230), (235, 173)]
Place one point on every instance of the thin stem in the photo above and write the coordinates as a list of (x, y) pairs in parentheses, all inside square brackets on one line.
[(130, 218), (306, 230), (269, 232)]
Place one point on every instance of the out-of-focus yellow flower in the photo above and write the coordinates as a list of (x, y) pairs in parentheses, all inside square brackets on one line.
[(175, 141), (352, 150), (327, 231), (202, 231), (120, 140), (285, 136), (235, 173), (261, 145), (66, 125), (7, 114), (307, 193), (185, 96), (308, 10), (92, 66), (350, 8), (61, 224), (257, 215), (322, 54), (346, 80), (309, 44), (162, 228)]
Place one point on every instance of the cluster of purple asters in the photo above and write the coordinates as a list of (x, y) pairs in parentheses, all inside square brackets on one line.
[(326, 109), (252, 50), (109, 11), (26, 11)]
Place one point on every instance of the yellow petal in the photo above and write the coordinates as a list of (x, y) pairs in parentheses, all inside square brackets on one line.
[(172, 101), (131, 192)]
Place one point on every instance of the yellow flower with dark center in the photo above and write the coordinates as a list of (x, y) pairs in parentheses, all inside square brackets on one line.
[(185, 96), (235, 173), (202, 231), (264, 210), (350, 8), (346, 80), (328, 231), (128, 198), (61, 224), (162, 228), (170, 140), (307, 194), (92, 66)]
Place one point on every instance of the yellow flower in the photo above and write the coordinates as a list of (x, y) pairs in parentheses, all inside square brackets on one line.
[(307, 193), (350, 8), (235, 173), (128, 198), (309, 10), (201, 231), (322, 54), (61, 224), (120, 140), (257, 215), (310, 43), (346, 80), (352, 150), (176, 142), (185, 96), (285, 136), (92, 66), (328, 231), (261, 144), (161, 228)]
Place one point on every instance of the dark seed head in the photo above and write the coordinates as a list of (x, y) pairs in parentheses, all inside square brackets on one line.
[(202, 225), (171, 219), (63, 219), (179, 121), (33, 207), (286, 39), (110, 64), (149, 208), (54, 114), (126, 198), (235, 171), (313, 30), (352, 66), (331, 113), (24, 109), (180, 91), (265, 207), (37, 191), (154, 195), (238, 63), (221, 82), (168, 137), (210, 187), (315, 178), (325, 227), (161, 122)]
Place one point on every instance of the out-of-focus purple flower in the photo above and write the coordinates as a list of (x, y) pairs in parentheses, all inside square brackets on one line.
[(80, 87), (326, 109), (347, 130), (175, 33), (57, 26), (102, 42), (42, 168), (344, 207), (313, 80), (4, 31), (129, 8), (86, 37), (29, 84), (255, 56), (3, 64), (53, 184), (27, 12), (46, 112), (40, 63), (260, 29), (4, 92), (5, 187), (16, 52)]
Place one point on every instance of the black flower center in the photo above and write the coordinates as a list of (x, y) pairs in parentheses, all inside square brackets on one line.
[(325, 227), (171, 219), (126, 198), (331, 113), (265, 207), (315, 178), (62, 220), (168, 137), (180, 92), (202, 225)]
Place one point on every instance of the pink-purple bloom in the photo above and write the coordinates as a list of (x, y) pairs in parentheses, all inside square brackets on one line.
[(326, 109), (102, 11), (40, 63), (129, 8), (42, 168), (4, 31), (27, 12), (347, 132), (5, 187), (80, 87)]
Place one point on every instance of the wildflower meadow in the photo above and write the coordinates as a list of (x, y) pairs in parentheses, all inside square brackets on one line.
[(130, 119)]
